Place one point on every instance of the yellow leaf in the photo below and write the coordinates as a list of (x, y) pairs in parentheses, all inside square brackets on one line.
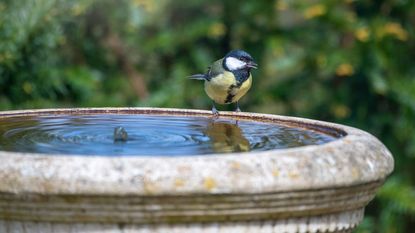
[(315, 11), (217, 30), (340, 111), (362, 34), (27, 87), (396, 30), (345, 69), (281, 5)]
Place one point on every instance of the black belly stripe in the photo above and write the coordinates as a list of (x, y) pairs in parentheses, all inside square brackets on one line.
[(241, 76), (230, 96)]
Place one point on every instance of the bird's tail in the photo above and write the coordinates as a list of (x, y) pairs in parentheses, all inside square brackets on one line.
[(197, 77)]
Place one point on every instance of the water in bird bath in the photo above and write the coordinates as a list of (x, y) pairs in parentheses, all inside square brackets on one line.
[(132, 134)]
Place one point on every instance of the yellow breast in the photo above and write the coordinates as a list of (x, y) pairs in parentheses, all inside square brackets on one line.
[(224, 86), (243, 89)]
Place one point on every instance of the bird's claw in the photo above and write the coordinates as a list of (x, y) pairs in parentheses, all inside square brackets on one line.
[(215, 112), (237, 107)]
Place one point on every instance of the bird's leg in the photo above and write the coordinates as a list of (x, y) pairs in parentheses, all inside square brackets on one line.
[(215, 112), (237, 107)]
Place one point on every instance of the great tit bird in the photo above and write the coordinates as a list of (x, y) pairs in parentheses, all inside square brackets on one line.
[(228, 79)]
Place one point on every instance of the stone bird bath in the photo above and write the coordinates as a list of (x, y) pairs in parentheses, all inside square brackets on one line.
[(312, 188)]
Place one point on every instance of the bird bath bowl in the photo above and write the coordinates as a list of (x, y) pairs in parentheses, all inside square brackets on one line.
[(168, 170)]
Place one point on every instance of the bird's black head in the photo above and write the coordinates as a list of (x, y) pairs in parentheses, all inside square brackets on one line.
[(238, 60)]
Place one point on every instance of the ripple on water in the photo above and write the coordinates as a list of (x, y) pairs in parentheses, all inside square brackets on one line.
[(148, 135)]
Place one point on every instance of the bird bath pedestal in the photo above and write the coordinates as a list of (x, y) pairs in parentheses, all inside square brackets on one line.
[(315, 188)]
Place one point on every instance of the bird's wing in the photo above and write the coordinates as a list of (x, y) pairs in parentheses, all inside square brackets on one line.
[(213, 70)]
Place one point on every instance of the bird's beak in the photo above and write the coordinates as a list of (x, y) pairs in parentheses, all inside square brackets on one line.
[(252, 64)]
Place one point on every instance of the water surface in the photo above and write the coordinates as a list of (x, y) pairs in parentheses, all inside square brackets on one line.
[(147, 135)]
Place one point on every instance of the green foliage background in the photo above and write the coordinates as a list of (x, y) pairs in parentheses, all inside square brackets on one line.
[(350, 62)]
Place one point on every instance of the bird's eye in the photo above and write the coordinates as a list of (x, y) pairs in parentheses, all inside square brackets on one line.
[(243, 59)]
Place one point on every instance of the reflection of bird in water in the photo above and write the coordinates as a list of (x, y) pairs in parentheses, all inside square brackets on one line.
[(226, 137)]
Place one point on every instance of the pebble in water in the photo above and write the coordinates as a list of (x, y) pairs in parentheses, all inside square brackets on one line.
[(120, 134)]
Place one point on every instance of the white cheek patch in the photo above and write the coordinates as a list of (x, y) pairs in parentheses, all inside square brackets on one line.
[(234, 64)]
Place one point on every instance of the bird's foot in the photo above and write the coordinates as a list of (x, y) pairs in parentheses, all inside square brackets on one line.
[(215, 112), (237, 107)]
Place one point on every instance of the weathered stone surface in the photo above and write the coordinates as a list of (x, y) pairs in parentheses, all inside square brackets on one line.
[(342, 222), (305, 189)]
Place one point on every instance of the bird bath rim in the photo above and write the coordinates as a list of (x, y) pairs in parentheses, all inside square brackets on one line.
[(351, 160)]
